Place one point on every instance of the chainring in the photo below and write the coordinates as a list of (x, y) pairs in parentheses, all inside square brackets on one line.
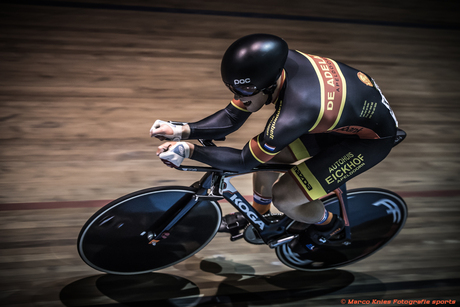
[(251, 235)]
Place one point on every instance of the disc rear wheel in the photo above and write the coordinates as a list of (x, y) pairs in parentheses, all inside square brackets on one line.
[(376, 216)]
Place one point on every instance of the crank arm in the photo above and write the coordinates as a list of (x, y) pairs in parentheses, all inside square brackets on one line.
[(281, 241)]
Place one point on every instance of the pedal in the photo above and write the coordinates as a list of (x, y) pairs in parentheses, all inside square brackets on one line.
[(236, 237), (233, 221), (234, 232)]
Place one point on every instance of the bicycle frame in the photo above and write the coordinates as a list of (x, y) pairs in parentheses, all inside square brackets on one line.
[(218, 181), (270, 233), (216, 185)]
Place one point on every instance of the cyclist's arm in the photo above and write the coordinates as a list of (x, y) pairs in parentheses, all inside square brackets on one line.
[(254, 153), (260, 149), (221, 123), (226, 158)]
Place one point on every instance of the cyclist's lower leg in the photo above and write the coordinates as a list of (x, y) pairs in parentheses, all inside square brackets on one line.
[(262, 184), (262, 195), (290, 200), (262, 187)]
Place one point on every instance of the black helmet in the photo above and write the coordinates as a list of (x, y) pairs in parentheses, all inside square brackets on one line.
[(253, 63)]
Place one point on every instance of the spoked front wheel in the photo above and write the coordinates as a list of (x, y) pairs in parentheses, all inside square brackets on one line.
[(376, 216), (115, 239)]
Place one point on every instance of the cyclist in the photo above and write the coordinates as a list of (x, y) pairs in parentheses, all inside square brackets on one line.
[(330, 119)]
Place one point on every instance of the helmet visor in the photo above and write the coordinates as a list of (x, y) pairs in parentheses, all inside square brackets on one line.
[(243, 90)]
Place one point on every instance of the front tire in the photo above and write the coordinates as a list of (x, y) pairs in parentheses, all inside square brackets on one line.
[(114, 240)]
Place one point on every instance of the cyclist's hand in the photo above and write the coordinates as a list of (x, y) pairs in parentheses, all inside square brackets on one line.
[(173, 153), (166, 131)]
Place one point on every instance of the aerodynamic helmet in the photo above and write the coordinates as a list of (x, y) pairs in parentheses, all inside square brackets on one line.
[(253, 63)]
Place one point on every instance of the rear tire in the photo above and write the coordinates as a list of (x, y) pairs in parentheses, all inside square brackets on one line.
[(114, 240), (376, 216)]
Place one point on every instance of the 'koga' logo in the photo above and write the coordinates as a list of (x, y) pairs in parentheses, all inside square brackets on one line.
[(242, 81), (249, 213)]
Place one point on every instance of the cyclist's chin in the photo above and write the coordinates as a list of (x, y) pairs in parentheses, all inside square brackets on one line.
[(256, 104)]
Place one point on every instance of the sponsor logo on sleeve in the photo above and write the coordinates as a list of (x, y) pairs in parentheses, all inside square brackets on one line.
[(364, 79), (269, 148)]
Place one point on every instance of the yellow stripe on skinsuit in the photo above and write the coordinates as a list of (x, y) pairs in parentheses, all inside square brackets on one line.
[(263, 150), (344, 95), (309, 182), (321, 84), (258, 152), (252, 151), (299, 150)]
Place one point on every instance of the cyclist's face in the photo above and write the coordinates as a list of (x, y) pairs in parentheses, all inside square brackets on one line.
[(253, 103)]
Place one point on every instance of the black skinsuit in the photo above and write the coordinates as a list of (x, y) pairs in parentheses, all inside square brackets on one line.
[(326, 110)]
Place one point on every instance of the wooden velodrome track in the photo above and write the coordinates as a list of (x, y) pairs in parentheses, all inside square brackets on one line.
[(81, 83)]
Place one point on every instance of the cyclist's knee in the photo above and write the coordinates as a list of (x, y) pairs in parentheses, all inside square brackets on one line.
[(263, 182)]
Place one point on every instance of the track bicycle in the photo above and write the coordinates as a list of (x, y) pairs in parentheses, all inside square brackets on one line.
[(155, 228)]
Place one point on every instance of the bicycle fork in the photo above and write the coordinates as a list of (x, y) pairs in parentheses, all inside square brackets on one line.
[(181, 208)]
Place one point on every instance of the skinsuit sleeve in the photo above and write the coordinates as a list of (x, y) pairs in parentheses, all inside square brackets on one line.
[(221, 123), (257, 151), (226, 158), (217, 126)]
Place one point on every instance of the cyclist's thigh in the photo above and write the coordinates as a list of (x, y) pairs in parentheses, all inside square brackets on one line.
[(288, 191), (304, 147), (336, 164)]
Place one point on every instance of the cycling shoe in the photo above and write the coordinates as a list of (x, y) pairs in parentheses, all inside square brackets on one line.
[(321, 234), (316, 235)]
